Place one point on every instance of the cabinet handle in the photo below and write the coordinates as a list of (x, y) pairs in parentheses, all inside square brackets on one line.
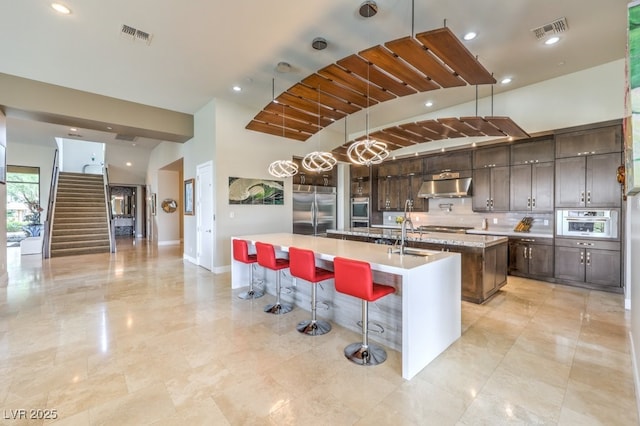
[(582, 258), (533, 203), (530, 256), (588, 197), (588, 258), (492, 203), (487, 203), (528, 202), (524, 254), (585, 244), (582, 197)]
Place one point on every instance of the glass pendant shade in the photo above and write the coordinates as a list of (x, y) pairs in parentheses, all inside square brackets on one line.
[(319, 161), (367, 152), (283, 168)]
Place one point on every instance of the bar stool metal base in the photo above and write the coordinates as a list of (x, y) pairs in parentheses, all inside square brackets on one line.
[(314, 327), (365, 355), (278, 308), (251, 294)]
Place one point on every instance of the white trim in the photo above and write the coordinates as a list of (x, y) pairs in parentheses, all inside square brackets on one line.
[(169, 243), (627, 304), (190, 259), (636, 378), (222, 269)]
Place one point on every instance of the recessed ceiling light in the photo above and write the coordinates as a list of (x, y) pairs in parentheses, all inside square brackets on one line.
[(428, 104), (237, 89), (61, 8), (506, 80), (109, 128), (470, 35), (128, 163), (73, 129), (552, 40)]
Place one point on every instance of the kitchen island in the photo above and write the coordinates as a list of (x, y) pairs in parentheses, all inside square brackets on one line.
[(420, 320), (484, 257)]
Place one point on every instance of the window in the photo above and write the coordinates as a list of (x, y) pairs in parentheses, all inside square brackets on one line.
[(23, 203)]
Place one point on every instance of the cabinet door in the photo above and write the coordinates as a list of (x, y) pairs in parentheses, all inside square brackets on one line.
[(394, 194), (603, 267), (383, 194), (495, 156), (603, 190), (570, 182), (419, 204), (589, 142), (570, 263), (404, 187), (540, 260), (518, 260), (489, 279), (542, 187), (540, 151), (499, 189), (453, 161), (521, 188), (481, 190)]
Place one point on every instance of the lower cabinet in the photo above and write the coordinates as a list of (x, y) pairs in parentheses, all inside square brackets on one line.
[(484, 270), (589, 263), (531, 257)]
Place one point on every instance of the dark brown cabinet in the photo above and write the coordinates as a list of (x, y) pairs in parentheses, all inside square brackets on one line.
[(591, 263), (588, 181), (449, 162), (531, 187), (494, 156), (399, 181), (490, 189), (589, 142), (305, 177), (538, 151), (531, 257), (360, 181)]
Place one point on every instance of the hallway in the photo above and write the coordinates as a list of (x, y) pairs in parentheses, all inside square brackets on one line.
[(142, 337)]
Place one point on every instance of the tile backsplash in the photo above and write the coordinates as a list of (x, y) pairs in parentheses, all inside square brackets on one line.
[(458, 212)]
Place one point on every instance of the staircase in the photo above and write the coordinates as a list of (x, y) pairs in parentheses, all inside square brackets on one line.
[(80, 224)]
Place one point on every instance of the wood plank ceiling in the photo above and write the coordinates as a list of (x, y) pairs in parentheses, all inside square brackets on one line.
[(432, 60)]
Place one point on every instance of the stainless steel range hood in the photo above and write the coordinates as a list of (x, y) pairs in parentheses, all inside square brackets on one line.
[(446, 186)]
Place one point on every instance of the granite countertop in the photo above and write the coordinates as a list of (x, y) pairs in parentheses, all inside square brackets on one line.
[(510, 233), (466, 240)]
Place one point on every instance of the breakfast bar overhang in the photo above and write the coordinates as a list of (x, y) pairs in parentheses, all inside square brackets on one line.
[(428, 285)]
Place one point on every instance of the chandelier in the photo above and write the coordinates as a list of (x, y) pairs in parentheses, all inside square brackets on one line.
[(367, 152), (319, 161), (282, 168)]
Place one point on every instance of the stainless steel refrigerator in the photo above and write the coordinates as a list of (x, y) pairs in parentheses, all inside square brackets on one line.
[(314, 209)]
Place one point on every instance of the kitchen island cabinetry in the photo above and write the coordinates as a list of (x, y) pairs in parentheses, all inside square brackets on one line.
[(531, 257), (484, 258), (588, 181), (589, 263)]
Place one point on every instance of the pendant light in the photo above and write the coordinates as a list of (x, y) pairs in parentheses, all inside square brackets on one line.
[(319, 161), (281, 168), (367, 151)]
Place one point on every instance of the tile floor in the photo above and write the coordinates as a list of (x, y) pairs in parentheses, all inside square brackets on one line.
[(142, 337)]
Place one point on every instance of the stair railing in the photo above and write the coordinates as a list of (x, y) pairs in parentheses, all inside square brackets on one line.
[(111, 222), (53, 189)]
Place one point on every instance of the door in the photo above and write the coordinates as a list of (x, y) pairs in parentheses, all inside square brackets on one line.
[(542, 187), (541, 260), (204, 215), (521, 188), (570, 263), (325, 210), (570, 182), (603, 190), (481, 189), (603, 267), (303, 213), (499, 189), (518, 261)]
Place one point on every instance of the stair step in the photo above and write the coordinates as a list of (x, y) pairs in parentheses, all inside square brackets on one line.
[(75, 237), (77, 252), (101, 242), (71, 208), (76, 230)]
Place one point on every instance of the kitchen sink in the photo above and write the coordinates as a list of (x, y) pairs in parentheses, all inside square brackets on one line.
[(411, 251)]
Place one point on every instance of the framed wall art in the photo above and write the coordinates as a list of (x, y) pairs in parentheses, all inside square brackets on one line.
[(256, 191), (189, 197)]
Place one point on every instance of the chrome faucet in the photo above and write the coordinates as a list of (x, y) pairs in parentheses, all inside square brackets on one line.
[(405, 220)]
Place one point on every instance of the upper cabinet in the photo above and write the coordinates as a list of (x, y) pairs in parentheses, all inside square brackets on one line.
[(399, 181), (360, 181), (588, 181), (495, 156), (450, 162), (539, 151), (600, 140), (305, 177)]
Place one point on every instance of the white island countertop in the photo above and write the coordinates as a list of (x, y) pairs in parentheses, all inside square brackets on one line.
[(465, 240), (423, 316)]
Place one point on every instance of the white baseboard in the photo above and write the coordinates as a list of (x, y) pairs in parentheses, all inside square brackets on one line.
[(189, 259), (627, 304), (169, 243), (636, 378), (222, 269)]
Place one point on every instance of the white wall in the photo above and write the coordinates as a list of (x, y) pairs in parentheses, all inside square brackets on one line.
[(168, 223), (3, 209), (77, 154)]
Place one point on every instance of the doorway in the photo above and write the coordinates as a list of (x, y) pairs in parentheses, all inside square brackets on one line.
[(204, 215)]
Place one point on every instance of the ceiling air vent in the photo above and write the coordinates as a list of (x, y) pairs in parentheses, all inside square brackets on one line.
[(134, 34), (127, 138), (556, 27)]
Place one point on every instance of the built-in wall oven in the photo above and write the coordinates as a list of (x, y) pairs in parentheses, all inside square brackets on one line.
[(360, 212), (587, 223)]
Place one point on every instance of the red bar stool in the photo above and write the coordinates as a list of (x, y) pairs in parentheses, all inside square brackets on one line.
[(267, 259), (241, 254), (353, 277), (302, 264)]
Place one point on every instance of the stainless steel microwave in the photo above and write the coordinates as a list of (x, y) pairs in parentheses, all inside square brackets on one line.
[(587, 223)]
